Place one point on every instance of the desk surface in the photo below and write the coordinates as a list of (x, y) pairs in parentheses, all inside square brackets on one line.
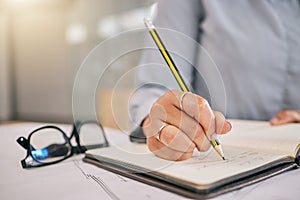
[(73, 179)]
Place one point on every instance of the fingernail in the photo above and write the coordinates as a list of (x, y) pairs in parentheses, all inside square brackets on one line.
[(226, 127), (229, 125)]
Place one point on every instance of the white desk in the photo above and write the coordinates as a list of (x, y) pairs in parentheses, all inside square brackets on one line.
[(73, 179)]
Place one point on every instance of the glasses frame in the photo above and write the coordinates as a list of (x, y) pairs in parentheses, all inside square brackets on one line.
[(25, 143)]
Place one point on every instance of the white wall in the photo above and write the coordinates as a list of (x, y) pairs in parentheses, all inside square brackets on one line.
[(44, 64), (43, 92), (4, 69)]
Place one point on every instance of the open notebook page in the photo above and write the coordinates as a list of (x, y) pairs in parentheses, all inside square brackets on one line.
[(195, 170), (260, 135)]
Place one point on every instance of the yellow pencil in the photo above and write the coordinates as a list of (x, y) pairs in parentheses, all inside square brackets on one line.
[(215, 143)]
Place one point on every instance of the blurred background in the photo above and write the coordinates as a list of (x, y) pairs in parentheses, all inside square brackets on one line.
[(43, 43)]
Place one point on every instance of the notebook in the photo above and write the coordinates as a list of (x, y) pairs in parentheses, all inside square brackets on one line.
[(254, 151)]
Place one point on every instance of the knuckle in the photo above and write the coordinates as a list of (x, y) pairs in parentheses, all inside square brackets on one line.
[(151, 144), (203, 102), (169, 95), (167, 137), (156, 109), (218, 114)]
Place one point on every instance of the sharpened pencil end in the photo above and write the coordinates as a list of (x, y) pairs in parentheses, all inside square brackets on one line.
[(219, 151), (148, 23)]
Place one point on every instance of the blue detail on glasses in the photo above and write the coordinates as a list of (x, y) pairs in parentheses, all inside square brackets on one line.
[(40, 154), (53, 150)]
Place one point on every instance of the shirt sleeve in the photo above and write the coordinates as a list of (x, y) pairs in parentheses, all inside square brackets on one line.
[(177, 23)]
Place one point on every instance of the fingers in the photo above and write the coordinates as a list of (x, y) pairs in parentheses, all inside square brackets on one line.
[(185, 126), (179, 122), (162, 151), (222, 126), (170, 136), (171, 145), (175, 139), (198, 109), (286, 116)]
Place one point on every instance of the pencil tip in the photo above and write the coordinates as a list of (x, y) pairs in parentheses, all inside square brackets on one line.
[(223, 158)]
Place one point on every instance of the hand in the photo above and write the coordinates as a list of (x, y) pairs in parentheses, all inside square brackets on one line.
[(180, 122), (286, 116)]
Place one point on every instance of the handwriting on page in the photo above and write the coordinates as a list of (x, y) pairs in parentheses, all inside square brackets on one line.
[(240, 159), (212, 168), (234, 158)]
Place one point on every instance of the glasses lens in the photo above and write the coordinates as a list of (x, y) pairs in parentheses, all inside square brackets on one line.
[(49, 145), (92, 136)]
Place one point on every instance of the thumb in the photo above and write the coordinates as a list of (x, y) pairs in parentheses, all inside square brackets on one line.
[(226, 127)]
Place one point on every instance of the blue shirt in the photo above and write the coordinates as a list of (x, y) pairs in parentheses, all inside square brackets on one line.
[(248, 64)]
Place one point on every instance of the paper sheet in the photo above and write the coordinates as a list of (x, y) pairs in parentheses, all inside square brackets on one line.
[(66, 181), (195, 170)]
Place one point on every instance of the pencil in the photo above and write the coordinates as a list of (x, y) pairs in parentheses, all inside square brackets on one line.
[(215, 143)]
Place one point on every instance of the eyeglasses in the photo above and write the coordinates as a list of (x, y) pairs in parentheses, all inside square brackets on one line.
[(50, 144)]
